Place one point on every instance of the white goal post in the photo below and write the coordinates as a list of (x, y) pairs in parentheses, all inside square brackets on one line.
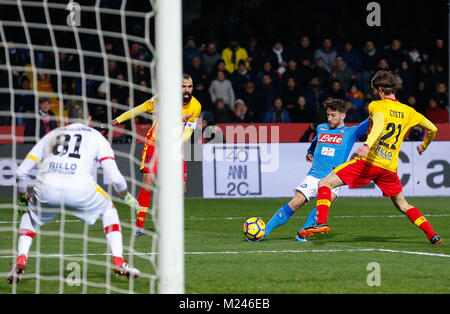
[(147, 36), (168, 35)]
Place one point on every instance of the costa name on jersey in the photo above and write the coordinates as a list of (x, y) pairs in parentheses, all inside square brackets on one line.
[(331, 147)]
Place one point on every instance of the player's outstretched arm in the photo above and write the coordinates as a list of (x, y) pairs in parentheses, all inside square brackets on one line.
[(362, 128), (429, 137), (130, 114)]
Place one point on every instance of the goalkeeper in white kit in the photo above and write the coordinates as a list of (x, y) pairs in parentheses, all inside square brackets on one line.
[(65, 158)]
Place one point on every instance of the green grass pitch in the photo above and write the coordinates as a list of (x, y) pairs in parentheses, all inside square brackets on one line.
[(219, 260)]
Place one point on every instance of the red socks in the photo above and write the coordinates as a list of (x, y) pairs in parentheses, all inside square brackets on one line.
[(419, 220), (143, 199), (118, 261), (323, 204)]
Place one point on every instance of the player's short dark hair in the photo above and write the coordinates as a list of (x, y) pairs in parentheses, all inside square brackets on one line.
[(336, 104), (384, 80), (76, 111), (186, 76)]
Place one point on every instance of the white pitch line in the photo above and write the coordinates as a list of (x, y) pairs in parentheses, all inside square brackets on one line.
[(243, 218), (253, 252)]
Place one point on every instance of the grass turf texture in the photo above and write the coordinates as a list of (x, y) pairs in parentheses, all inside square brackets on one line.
[(220, 260)]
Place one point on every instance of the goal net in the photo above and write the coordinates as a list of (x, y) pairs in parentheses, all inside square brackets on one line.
[(101, 54)]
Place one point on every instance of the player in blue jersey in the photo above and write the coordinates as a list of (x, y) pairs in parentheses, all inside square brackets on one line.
[(329, 149)]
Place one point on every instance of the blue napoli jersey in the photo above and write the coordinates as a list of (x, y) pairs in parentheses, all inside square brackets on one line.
[(331, 147)]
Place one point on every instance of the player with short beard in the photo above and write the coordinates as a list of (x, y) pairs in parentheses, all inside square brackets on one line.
[(190, 114)]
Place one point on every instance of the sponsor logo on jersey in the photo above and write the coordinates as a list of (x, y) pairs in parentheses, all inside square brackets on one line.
[(330, 138), (62, 168), (328, 151), (383, 153)]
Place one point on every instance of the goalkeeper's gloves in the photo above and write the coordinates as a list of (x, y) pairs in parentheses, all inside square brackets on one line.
[(132, 202), (22, 201)]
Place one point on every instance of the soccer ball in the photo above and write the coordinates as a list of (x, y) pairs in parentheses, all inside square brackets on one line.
[(254, 228)]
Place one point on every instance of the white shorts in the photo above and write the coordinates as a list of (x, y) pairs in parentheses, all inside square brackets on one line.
[(86, 203), (309, 188)]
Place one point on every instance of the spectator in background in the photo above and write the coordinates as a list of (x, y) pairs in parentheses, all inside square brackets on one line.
[(309, 134), (441, 95), (120, 89), (278, 56), (304, 51), (221, 88), (277, 114), (47, 121), (17, 56), (222, 114), (291, 71), (383, 65), (250, 98), (370, 58), (356, 97), (314, 96), (137, 51), (321, 73), (267, 94), (220, 66), (139, 73), (327, 53), (422, 95), (306, 72), (395, 55), (351, 57), (432, 76), (140, 95), (302, 113), (113, 69), (439, 54), (343, 74), (400, 92), (24, 101), (436, 114), (412, 103), (196, 70), (202, 94), (240, 113), (232, 54), (408, 76), (290, 94), (210, 57), (274, 76), (256, 55), (240, 77), (415, 60), (190, 50), (352, 114), (336, 90)]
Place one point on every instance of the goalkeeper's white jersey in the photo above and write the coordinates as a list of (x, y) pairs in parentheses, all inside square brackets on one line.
[(67, 157)]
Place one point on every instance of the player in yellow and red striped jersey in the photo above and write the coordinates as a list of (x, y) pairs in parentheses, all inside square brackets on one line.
[(190, 114), (378, 158)]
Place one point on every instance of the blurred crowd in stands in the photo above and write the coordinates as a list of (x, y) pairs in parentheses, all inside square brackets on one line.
[(240, 79), (288, 82)]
